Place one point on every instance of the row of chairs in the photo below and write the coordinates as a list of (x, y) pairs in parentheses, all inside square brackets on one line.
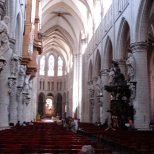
[(134, 141), (45, 138)]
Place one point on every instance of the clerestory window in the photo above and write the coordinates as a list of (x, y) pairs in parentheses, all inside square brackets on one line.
[(51, 62), (60, 66)]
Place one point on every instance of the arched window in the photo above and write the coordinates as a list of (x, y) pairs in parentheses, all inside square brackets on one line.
[(60, 66), (42, 65), (51, 65)]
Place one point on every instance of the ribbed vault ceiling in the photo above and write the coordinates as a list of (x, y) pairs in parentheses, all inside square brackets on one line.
[(63, 24)]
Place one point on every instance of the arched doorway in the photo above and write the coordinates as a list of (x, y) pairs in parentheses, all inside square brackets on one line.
[(58, 108), (41, 102)]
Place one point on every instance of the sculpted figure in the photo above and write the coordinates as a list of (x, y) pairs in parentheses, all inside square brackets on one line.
[(4, 35), (130, 62), (22, 73), (99, 86), (14, 64), (11, 86), (91, 90), (111, 75)]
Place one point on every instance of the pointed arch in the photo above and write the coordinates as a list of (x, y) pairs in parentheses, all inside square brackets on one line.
[(108, 54), (141, 28), (123, 42), (97, 63)]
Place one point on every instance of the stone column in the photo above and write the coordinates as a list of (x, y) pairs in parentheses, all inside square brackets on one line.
[(91, 92), (98, 91), (76, 104), (20, 105), (99, 87), (92, 102), (106, 96), (142, 101), (4, 97), (26, 99), (95, 108), (12, 80), (13, 102), (21, 80), (5, 52)]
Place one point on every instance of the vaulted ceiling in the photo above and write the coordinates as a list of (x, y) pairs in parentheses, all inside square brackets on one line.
[(64, 24)]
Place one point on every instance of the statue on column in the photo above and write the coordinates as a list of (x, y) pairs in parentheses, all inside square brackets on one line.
[(4, 35), (99, 87), (130, 62), (91, 90), (14, 64), (12, 86), (111, 76), (21, 75), (26, 91)]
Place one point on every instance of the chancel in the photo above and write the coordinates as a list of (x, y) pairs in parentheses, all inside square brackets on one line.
[(76, 68)]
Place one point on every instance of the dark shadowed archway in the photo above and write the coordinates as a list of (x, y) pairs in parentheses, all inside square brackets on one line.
[(58, 107), (41, 102)]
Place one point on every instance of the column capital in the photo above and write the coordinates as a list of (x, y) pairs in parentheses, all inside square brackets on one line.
[(139, 46)]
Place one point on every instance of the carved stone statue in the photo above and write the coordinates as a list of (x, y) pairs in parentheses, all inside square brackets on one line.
[(111, 75), (26, 84), (21, 77), (132, 88), (26, 91), (4, 35), (115, 75), (91, 90), (99, 87), (11, 86), (14, 64), (130, 66), (19, 92)]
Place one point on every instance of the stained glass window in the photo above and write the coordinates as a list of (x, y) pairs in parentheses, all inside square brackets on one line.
[(51, 65), (60, 66)]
